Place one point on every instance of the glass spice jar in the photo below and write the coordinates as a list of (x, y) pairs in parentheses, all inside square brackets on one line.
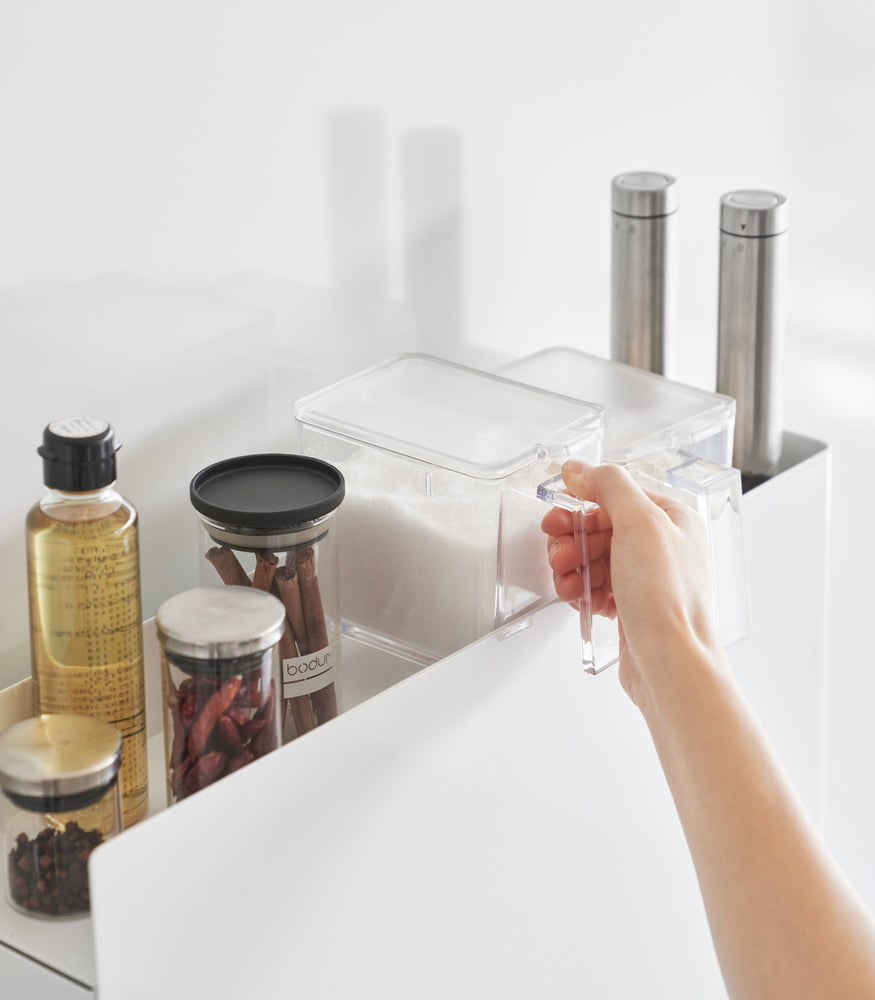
[(59, 776), (220, 678), (267, 522)]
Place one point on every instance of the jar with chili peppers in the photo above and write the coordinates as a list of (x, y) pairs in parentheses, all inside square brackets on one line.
[(221, 682)]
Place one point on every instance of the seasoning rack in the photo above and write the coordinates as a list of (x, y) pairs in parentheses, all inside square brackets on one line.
[(56, 958), (477, 827)]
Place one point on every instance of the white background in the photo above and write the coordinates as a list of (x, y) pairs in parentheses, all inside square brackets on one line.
[(445, 167)]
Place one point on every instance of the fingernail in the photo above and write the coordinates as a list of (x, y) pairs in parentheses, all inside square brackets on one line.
[(573, 466)]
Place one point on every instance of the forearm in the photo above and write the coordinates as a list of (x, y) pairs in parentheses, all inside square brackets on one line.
[(783, 920)]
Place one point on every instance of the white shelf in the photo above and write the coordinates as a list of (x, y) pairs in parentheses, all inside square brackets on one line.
[(66, 947), (496, 825)]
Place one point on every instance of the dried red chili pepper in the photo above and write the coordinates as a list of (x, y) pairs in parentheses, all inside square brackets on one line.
[(264, 741), (229, 736), (179, 731), (246, 756), (233, 724), (208, 769), (217, 704)]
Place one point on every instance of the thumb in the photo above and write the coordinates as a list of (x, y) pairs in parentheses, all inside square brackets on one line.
[(609, 486)]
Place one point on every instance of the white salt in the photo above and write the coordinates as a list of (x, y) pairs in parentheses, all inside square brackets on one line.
[(419, 570)]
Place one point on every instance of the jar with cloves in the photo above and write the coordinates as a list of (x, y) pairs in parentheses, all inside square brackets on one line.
[(59, 777)]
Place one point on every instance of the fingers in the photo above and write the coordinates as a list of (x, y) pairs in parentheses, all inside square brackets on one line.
[(558, 521), (564, 554), (570, 588), (564, 559), (609, 486), (619, 496)]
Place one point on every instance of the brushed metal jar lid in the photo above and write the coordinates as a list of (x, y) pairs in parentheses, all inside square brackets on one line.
[(220, 623), (57, 756), (754, 213), (644, 194)]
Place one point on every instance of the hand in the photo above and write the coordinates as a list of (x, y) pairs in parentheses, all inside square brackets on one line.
[(649, 566)]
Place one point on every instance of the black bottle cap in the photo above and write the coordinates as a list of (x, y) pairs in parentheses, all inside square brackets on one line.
[(78, 454)]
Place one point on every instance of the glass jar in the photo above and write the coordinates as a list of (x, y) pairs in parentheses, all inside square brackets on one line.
[(59, 776), (267, 522), (220, 678)]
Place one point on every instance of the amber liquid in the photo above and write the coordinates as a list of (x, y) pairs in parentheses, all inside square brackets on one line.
[(86, 622)]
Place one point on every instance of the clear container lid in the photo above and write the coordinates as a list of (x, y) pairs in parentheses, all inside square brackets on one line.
[(644, 412), (450, 416)]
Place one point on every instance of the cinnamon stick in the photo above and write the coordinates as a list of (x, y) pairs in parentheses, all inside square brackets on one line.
[(285, 585), (265, 578), (265, 568), (289, 592), (325, 702), (301, 706), (227, 566), (325, 699), (311, 599)]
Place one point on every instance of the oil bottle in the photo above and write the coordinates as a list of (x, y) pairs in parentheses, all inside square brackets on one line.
[(83, 575)]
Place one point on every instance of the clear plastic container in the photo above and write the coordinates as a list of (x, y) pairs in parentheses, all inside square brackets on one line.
[(220, 680), (645, 413), (267, 522), (674, 439), (440, 537), (59, 776)]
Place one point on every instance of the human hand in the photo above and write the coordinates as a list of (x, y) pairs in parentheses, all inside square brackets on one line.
[(649, 566)]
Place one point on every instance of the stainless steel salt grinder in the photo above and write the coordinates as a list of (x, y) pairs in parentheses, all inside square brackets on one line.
[(643, 269), (750, 337)]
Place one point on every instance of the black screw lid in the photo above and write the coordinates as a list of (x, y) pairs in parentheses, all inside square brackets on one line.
[(267, 492), (78, 454)]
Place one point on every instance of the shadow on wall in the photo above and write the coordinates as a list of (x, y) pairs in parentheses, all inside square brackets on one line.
[(360, 169), (433, 237), (190, 373), (176, 372), (358, 202)]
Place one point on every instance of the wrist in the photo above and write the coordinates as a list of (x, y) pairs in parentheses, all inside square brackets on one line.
[(674, 678)]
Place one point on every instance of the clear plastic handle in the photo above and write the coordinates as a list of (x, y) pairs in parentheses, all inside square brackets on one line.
[(599, 641), (714, 492)]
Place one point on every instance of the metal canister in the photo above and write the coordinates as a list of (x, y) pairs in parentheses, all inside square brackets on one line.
[(643, 269), (751, 324)]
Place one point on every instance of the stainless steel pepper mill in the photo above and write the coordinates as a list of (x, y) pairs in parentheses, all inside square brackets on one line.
[(643, 269), (751, 321)]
